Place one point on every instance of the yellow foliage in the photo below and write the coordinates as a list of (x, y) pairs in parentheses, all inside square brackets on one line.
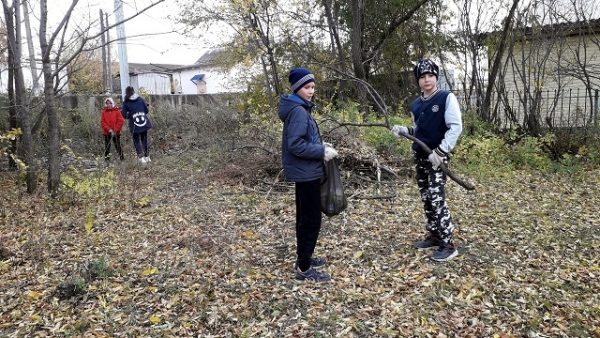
[(87, 187), (89, 222), (5, 140), (149, 272)]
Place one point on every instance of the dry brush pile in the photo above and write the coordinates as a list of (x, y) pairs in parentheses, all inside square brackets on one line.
[(185, 249)]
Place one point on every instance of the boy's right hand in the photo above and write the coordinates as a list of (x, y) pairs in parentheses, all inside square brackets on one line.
[(399, 130)]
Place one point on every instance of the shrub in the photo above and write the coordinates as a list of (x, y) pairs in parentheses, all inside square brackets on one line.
[(486, 152), (529, 152)]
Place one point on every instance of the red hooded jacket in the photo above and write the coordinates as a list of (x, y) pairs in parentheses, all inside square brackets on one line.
[(111, 118)]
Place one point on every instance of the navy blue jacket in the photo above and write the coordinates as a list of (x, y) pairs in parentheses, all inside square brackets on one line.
[(302, 149), (429, 119), (135, 110)]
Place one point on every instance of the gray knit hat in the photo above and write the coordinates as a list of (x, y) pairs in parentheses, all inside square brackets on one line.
[(299, 77)]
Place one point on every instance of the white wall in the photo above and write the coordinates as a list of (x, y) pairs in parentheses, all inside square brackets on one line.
[(216, 81), (152, 83), (186, 86)]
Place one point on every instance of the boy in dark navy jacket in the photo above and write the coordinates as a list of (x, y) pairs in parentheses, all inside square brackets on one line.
[(303, 153), (438, 124)]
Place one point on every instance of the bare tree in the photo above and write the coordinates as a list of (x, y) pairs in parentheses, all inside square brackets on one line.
[(549, 53), (53, 46), (254, 24), (12, 18), (336, 41), (496, 61), (54, 58), (35, 77), (477, 18)]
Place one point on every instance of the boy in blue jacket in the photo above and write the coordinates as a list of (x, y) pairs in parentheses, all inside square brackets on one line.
[(303, 153), (136, 111), (437, 123)]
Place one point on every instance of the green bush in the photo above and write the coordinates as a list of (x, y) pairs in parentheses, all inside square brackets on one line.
[(478, 153), (529, 152)]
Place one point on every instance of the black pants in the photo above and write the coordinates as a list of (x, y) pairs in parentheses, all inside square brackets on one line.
[(308, 220), (140, 142), (117, 141)]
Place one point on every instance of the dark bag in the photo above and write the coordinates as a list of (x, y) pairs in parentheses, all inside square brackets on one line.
[(333, 199)]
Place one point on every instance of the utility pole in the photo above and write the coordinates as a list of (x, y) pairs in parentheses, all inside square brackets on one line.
[(122, 47)]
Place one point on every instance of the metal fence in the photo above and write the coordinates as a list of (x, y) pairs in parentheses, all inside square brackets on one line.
[(571, 108)]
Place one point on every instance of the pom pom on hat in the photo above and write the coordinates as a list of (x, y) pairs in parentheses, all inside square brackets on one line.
[(299, 77), (426, 66)]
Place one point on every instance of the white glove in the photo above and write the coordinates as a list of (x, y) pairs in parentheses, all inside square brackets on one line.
[(330, 153), (327, 144), (399, 130), (435, 159), (111, 132)]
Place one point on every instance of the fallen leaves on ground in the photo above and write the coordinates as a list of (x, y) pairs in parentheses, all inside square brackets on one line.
[(184, 257)]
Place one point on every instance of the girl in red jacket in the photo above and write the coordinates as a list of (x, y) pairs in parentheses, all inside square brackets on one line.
[(111, 121)]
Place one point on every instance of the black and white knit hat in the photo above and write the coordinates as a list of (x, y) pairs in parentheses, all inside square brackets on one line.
[(299, 77), (426, 66)]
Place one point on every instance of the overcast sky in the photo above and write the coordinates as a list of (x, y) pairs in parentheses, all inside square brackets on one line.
[(148, 37), (157, 46)]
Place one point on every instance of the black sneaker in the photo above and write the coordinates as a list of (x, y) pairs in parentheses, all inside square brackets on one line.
[(430, 242), (315, 263), (311, 275), (445, 252)]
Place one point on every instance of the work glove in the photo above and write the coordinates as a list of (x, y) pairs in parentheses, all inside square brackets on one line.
[(436, 158), (330, 153), (111, 132), (399, 130)]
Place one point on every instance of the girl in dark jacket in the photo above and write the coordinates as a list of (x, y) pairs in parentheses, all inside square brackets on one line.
[(136, 111), (111, 121), (303, 153)]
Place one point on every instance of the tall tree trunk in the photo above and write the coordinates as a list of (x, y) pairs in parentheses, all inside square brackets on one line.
[(274, 72), (104, 61), (356, 41), (338, 49), (53, 123), (12, 15), (12, 111), (486, 111), (356, 38), (34, 72), (268, 84)]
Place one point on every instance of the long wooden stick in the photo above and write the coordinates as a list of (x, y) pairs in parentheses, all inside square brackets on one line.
[(442, 165), (382, 107)]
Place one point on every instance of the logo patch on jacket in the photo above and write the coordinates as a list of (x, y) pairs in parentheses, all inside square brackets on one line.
[(435, 108), (139, 119)]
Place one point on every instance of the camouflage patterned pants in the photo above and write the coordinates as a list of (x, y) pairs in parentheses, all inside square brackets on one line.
[(432, 188)]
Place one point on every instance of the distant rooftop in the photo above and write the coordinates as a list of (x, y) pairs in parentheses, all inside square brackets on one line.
[(141, 68)]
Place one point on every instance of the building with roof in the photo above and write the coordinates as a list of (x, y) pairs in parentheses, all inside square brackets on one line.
[(549, 75), (205, 76)]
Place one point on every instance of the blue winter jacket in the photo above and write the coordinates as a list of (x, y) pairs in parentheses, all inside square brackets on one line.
[(302, 149), (135, 110)]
